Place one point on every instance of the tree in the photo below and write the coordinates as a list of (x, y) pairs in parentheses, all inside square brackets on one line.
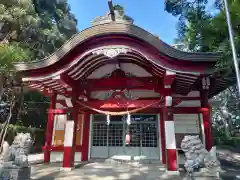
[(226, 116), (204, 32), (192, 24), (41, 26), (57, 25), (17, 16), (11, 88), (34, 112), (29, 30)]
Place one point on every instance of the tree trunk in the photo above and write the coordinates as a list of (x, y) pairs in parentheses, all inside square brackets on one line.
[(6, 126), (226, 124), (1, 85), (2, 130), (226, 129)]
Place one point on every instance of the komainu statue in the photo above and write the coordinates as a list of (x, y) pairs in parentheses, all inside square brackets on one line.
[(14, 159), (197, 157)]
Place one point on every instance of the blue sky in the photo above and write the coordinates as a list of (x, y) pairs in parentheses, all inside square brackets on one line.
[(148, 14)]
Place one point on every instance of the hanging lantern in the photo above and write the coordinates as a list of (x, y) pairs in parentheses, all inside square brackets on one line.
[(108, 119), (128, 119)]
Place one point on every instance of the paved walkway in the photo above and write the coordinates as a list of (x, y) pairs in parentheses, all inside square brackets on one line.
[(99, 171), (228, 155), (103, 171), (108, 171)]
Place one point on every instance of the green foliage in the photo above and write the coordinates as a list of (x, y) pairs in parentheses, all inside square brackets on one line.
[(191, 16), (10, 53), (18, 15), (226, 116), (57, 25), (38, 135), (30, 30), (223, 141), (202, 31), (39, 25), (34, 110)]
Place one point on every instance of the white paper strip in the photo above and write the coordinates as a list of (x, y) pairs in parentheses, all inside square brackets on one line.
[(69, 102), (168, 101), (60, 121), (68, 137), (170, 135)]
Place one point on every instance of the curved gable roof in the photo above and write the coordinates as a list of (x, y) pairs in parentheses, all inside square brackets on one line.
[(117, 28)]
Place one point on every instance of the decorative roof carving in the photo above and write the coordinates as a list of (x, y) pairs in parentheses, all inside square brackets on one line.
[(107, 18), (115, 94), (111, 52)]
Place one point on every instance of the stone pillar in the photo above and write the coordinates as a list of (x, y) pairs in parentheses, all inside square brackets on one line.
[(162, 137), (49, 132), (86, 135), (70, 138), (171, 151)]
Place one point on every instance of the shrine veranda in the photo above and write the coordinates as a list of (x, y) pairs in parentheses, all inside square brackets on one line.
[(117, 91)]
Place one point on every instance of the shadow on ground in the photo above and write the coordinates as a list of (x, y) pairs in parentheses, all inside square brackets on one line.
[(102, 171), (124, 171)]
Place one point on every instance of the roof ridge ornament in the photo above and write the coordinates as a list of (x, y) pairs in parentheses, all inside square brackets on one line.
[(112, 16)]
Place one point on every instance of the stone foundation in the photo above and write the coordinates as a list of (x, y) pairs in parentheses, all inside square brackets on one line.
[(18, 173), (213, 172)]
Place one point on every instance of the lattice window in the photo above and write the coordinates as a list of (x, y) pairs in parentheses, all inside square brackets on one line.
[(149, 135), (135, 133), (143, 132), (99, 134), (143, 135), (115, 135)]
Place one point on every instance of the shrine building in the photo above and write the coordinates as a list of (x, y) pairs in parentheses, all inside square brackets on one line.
[(117, 91)]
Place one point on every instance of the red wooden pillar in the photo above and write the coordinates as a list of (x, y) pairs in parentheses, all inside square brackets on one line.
[(162, 137), (171, 150), (70, 137), (85, 142), (49, 132), (207, 123)]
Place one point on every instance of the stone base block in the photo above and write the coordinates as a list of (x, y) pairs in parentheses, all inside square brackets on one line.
[(173, 173), (17, 173), (214, 172), (66, 169)]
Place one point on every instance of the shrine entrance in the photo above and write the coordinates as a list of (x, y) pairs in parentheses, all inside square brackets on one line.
[(109, 141)]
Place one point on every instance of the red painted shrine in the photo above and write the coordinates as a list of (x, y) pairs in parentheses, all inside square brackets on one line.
[(117, 91)]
